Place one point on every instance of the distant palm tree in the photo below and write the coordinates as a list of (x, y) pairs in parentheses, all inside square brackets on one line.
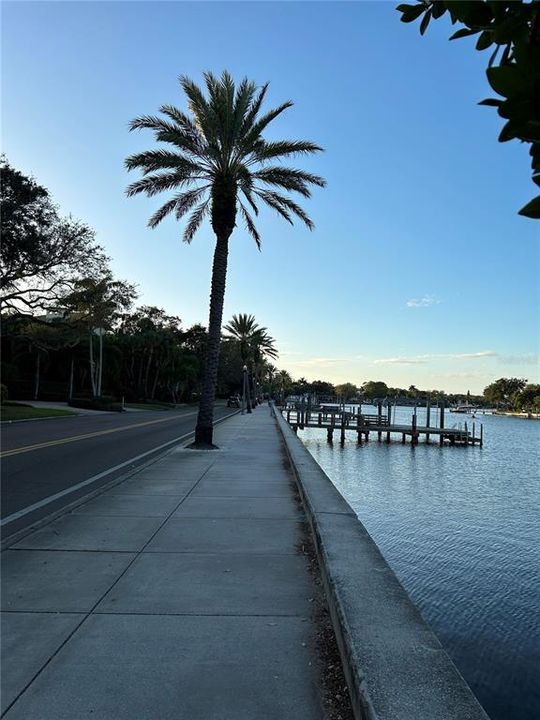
[(263, 347), (220, 164), (242, 328), (254, 342), (285, 382)]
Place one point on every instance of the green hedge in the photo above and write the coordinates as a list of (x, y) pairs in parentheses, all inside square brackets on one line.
[(99, 403)]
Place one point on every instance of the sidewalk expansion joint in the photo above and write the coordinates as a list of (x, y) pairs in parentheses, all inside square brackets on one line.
[(91, 611)]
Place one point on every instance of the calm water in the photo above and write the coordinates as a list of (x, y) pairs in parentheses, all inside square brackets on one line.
[(460, 527)]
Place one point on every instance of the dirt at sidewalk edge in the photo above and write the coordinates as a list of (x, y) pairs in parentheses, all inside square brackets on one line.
[(333, 686)]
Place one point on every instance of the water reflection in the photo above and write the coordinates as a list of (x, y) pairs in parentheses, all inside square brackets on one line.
[(460, 526)]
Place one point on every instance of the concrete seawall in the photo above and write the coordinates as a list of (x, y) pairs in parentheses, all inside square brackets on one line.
[(395, 666)]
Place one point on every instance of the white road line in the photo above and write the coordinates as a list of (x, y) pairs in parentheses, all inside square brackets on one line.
[(74, 488)]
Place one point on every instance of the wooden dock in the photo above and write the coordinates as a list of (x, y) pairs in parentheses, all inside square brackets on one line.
[(343, 421)]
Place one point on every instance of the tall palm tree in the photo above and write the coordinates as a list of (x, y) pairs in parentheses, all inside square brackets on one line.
[(219, 165)]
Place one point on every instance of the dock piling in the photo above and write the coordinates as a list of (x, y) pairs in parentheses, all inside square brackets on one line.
[(341, 420), (414, 434)]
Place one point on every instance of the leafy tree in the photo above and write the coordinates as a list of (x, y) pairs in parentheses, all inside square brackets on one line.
[(511, 30), (374, 389), (219, 164), (529, 398), (95, 305), (347, 391), (150, 337), (321, 387), (413, 392), (51, 334), (230, 373), (504, 390), (42, 253), (300, 386)]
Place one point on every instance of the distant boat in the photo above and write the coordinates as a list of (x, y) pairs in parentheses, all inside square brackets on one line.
[(464, 409)]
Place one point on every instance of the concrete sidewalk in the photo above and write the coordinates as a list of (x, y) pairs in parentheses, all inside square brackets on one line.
[(177, 594)]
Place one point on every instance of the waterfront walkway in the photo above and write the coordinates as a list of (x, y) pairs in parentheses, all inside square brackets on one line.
[(178, 593)]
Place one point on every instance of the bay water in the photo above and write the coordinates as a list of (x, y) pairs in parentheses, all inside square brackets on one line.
[(460, 527)]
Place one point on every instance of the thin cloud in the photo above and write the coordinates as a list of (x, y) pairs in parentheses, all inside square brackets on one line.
[(423, 302), (400, 361), (422, 359), (474, 356), (520, 359), (318, 362)]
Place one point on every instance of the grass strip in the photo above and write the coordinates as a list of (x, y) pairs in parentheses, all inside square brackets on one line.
[(23, 412)]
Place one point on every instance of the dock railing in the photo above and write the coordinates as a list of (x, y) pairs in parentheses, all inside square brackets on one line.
[(302, 415)]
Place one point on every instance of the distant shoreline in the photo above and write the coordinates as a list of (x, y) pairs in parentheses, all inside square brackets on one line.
[(524, 415)]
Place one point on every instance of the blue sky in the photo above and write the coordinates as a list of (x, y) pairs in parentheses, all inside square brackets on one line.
[(419, 271)]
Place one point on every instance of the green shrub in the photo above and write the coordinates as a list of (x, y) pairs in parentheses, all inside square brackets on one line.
[(3, 393), (105, 402)]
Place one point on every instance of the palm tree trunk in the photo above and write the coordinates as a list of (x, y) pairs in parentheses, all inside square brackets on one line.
[(139, 380), (70, 391), (154, 384), (147, 374), (100, 371), (204, 428), (36, 379), (92, 366)]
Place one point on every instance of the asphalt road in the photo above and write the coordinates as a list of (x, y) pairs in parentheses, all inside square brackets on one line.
[(44, 458)]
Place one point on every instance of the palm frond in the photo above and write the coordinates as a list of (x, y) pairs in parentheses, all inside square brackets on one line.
[(249, 197), (287, 205), (197, 216), (153, 160), (154, 184), (187, 200), (179, 117), (260, 124), (245, 183), (172, 133), (253, 111), (162, 213), (283, 148), (151, 122), (269, 199), (204, 114), (242, 103), (250, 225), (288, 179)]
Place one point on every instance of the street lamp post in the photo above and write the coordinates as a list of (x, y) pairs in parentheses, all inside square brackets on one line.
[(245, 391)]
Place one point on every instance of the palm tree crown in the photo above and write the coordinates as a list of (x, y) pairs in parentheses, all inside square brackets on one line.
[(219, 160), (254, 340)]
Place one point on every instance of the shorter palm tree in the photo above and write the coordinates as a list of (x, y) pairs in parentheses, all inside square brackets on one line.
[(255, 345)]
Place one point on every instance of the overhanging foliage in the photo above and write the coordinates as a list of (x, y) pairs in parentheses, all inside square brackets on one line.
[(511, 30)]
